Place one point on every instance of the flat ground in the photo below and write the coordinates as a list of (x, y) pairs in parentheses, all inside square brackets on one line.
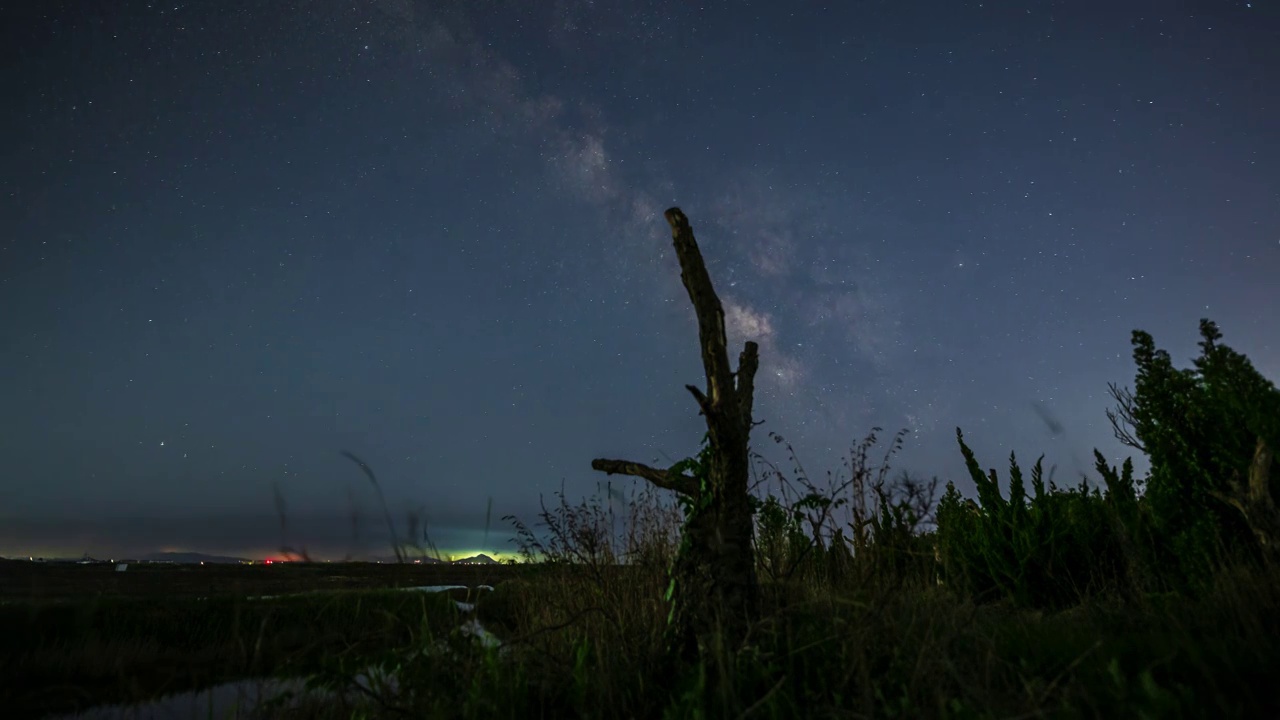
[(74, 636), (28, 581)]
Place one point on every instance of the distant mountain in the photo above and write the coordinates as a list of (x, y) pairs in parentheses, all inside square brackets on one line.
[(480, 559), (192, 558)]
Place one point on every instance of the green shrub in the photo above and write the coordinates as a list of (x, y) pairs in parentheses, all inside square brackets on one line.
[(1049, 550), (1199, 427)]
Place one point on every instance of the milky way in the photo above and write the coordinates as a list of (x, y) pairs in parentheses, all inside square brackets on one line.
[(243, 237)]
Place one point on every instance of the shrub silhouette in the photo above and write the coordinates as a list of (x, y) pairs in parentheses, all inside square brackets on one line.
[(1202, 428), (1208, 432), (1050, 550)]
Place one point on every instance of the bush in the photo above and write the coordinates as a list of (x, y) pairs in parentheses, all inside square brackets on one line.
[(1201, 427), (1047, 551)]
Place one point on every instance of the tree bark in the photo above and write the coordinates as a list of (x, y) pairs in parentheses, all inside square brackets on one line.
[(714, 593), (1254, 500)]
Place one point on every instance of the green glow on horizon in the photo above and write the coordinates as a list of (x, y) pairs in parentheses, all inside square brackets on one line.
[(459, 554)]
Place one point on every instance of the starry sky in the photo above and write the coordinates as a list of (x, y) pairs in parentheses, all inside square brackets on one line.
[(241, 237)]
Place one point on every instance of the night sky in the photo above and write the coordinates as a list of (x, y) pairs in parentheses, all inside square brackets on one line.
[(240, 237)]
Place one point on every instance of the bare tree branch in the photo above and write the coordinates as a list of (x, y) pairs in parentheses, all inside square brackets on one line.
[(704, 407), (1122, 419), (667, 481)]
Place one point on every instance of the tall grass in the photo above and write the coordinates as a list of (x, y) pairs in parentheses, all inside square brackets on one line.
[(874, 608)]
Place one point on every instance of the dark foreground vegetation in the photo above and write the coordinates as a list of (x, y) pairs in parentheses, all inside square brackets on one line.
[(1115, 597), (63, 656), (868, 595), (28, 581), (81, 635)]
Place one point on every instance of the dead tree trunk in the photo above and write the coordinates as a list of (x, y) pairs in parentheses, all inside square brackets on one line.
[(1254, 501), (713, 580)]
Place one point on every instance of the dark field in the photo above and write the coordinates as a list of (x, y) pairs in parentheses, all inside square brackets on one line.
[(81, 635), (577, 638), (56, 581)]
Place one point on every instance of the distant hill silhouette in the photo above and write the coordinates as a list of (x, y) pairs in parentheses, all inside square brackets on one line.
[(190, 558), (480, 559)]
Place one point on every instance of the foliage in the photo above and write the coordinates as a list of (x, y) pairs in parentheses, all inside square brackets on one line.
[(1199, 427), (801, 530), (1051, 549), (781, 542)]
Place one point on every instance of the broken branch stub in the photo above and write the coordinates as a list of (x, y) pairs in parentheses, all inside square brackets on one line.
[(682, 484)]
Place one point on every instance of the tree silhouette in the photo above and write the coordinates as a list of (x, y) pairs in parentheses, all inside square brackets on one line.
[(713, 591), (1209, 432)]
